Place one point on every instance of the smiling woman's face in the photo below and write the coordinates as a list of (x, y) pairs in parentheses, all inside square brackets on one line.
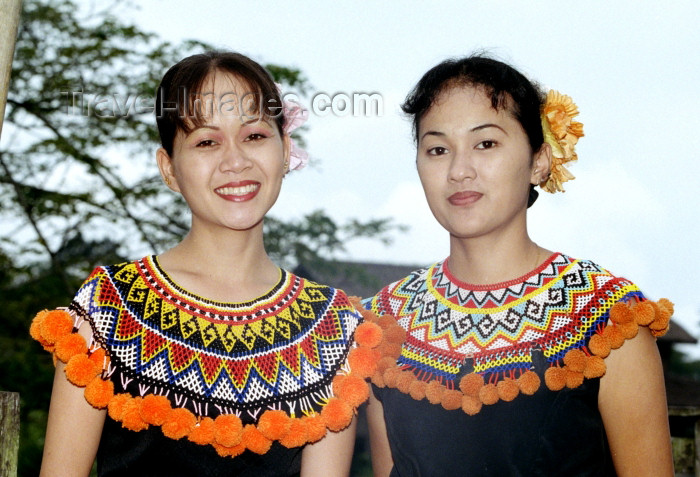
[(475, 164), (229, 169)]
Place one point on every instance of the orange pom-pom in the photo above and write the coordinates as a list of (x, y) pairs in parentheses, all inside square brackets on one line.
[(599, 345), (434, 391), (555, 378), (35, 327), (404, 380), (297, 435), (395, 334), (630, 329), (98, 357), (203, 432), (354, 390), (55, 325), (80, 370), (155, 409), (614, 336), (666, 306), (179, 423), (337, 380), (227, 430), (385, 363), (254, 440), (573, 379), (116, 406), (575, 360), (274, 424), (488, 394), (471, 383), (621, 313), (644, 313), (378, 380), (70, 345), (315, 427), (226, 451), (363, 361), (595, 367), (390, 350), (451, 399), (337, 414), (386, 321), (131, 419), (98, 392), (471, 404), (368, 334), (391, 376), (529, 382), (507, 389), (417, 389)]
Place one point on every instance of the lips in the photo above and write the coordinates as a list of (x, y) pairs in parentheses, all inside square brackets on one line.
[(238, 191), (464, 198)]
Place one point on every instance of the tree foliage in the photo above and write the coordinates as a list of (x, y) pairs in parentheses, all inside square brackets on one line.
[(78, 182)]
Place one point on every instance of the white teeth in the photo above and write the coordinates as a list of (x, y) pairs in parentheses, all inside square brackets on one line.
[(243, 190)]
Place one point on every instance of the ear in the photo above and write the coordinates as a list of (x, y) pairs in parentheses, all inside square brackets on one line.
[(287, 150), (541, 164), (165, 165)]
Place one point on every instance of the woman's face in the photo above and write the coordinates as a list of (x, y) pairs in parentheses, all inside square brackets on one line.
[(230, 169), (475, 165)]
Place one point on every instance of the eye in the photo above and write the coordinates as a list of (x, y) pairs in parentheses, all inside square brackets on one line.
[(255, 136), (437, 151), (487, 144), (205, 143)]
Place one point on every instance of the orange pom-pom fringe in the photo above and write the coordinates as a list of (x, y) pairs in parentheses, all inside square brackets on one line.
[(368, 334), (55, 325), (155, 409), (80, 370), (337, 414), (179, 423), (99, 392), (274, 424), (298, 434), (254, 440), (203, 432), (69, 346), (228, 430)]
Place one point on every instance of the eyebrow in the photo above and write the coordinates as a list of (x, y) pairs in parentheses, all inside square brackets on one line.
[(474, 129)]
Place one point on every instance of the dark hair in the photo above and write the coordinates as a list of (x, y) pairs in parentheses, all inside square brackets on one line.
[(505, 86), (179, 108)]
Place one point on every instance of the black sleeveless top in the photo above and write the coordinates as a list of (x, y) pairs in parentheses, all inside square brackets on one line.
[(547, 434)]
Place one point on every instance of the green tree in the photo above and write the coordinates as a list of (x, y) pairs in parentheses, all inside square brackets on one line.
[(79, 186)]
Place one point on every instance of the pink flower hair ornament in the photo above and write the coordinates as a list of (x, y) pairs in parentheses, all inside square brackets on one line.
[(294, 116)]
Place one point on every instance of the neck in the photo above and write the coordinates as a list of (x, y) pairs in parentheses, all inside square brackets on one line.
[(488, 260), (222, 264)]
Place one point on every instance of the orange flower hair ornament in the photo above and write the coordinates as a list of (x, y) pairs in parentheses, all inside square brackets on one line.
[(562, 133)]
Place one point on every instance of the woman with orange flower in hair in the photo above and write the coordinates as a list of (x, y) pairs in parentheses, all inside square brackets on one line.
[(506, 358), (209, 360)]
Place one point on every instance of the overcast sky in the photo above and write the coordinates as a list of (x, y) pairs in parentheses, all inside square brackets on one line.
[(633, 68)]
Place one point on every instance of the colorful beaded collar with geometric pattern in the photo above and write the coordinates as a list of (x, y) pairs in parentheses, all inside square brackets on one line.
[(573, 311), (236, 376)]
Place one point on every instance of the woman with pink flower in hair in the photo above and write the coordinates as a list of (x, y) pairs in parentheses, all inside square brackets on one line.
[(208, 359), (507, 359)]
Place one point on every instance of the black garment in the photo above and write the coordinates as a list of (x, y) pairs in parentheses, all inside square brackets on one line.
[(150, 454), (558, 434)]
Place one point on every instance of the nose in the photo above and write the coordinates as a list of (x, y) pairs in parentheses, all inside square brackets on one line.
[(461, 167), (234, 159)]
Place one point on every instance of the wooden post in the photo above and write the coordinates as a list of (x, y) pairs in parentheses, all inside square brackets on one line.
[(9, 433), (9, 21)]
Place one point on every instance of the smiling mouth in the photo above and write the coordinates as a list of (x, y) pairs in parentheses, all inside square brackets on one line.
[(240, 192)]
